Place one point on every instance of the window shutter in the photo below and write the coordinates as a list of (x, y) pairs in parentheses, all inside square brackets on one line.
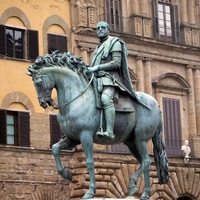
[(52, 43), (33, 47), (54, 130), (24, 129), (107, 11), (172, 126), (155, 22), (62, 43), (176, 23), (3, 40), (113, 14), (3, 126)]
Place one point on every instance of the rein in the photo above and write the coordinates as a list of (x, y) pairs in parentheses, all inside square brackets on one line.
[(55, 106)]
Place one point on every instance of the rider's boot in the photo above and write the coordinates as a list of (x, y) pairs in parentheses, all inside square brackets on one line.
[(109, 113)]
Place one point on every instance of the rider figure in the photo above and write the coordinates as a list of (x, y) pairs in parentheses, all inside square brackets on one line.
[(111, 56)]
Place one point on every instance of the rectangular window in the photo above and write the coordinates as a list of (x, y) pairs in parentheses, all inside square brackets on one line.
[(172, 126), (166, 22), (13, 43), (15, 128), (55, 132), (57, 42), (113, 14)]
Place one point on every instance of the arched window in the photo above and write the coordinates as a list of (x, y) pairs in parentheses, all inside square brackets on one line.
[(19, 41)]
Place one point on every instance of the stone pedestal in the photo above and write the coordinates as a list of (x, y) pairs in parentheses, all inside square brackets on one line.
[(133, 198)]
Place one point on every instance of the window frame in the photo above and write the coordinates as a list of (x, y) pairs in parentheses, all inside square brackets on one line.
[(30, 43), (165, 36), (175, 25), (21, 128), (13, 48)]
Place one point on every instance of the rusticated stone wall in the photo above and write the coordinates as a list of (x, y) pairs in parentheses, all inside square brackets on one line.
[(31, 174), (112, 173)]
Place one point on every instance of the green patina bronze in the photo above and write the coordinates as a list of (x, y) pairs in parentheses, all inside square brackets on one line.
[(133, 118)]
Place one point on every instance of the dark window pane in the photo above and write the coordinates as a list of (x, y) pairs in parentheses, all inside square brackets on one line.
[(9, 52), (9, 42), (19, 54)]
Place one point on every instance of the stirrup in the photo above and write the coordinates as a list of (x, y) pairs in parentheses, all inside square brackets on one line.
[(105, 134)]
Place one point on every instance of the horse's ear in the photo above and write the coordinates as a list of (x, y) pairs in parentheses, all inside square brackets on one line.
[(32, 71), (29, 74)]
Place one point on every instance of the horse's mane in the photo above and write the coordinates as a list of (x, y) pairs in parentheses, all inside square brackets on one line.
[(61, 59)]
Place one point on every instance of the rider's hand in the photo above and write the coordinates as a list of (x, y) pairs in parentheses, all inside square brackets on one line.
[(93, 69)]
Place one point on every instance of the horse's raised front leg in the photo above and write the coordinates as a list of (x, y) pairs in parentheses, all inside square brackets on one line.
[(86, 138), (64, 143)]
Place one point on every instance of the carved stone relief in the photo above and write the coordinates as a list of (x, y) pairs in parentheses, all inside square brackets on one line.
[(84, 13), (146, 28), (195, 37)]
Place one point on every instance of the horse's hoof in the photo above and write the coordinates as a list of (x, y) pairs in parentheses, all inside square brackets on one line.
[(145, 195), (144, 198), (88, 195), (66, 174), (132, 190)]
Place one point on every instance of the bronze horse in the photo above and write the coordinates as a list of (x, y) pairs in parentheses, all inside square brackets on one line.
[(79, 119)]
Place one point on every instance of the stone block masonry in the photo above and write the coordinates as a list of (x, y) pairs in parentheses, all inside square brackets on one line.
[(30, 174)]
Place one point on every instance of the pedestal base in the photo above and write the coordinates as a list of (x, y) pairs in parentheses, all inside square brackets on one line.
[(129, 197)]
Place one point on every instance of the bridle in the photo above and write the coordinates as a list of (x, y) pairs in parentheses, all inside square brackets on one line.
[(53, 104)]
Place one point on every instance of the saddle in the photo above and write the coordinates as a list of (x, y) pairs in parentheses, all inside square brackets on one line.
[(122, 101)]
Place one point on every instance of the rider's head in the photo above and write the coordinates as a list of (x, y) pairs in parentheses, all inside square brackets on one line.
[(103, 29)]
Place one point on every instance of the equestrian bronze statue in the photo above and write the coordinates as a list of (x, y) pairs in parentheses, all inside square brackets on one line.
[(97, 104)]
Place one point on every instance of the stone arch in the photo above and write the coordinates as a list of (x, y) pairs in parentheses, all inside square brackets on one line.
[(48, 192), (184, 198), (171, 81), (54, 19), (15, 12), (17, 96)]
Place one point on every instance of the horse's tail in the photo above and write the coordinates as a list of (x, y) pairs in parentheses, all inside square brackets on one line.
[(160, 155)]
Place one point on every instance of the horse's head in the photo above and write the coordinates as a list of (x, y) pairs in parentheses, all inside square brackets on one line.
[(43, 83), (43, 71)]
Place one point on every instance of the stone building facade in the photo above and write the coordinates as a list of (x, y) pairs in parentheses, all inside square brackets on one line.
[(162, 37)]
